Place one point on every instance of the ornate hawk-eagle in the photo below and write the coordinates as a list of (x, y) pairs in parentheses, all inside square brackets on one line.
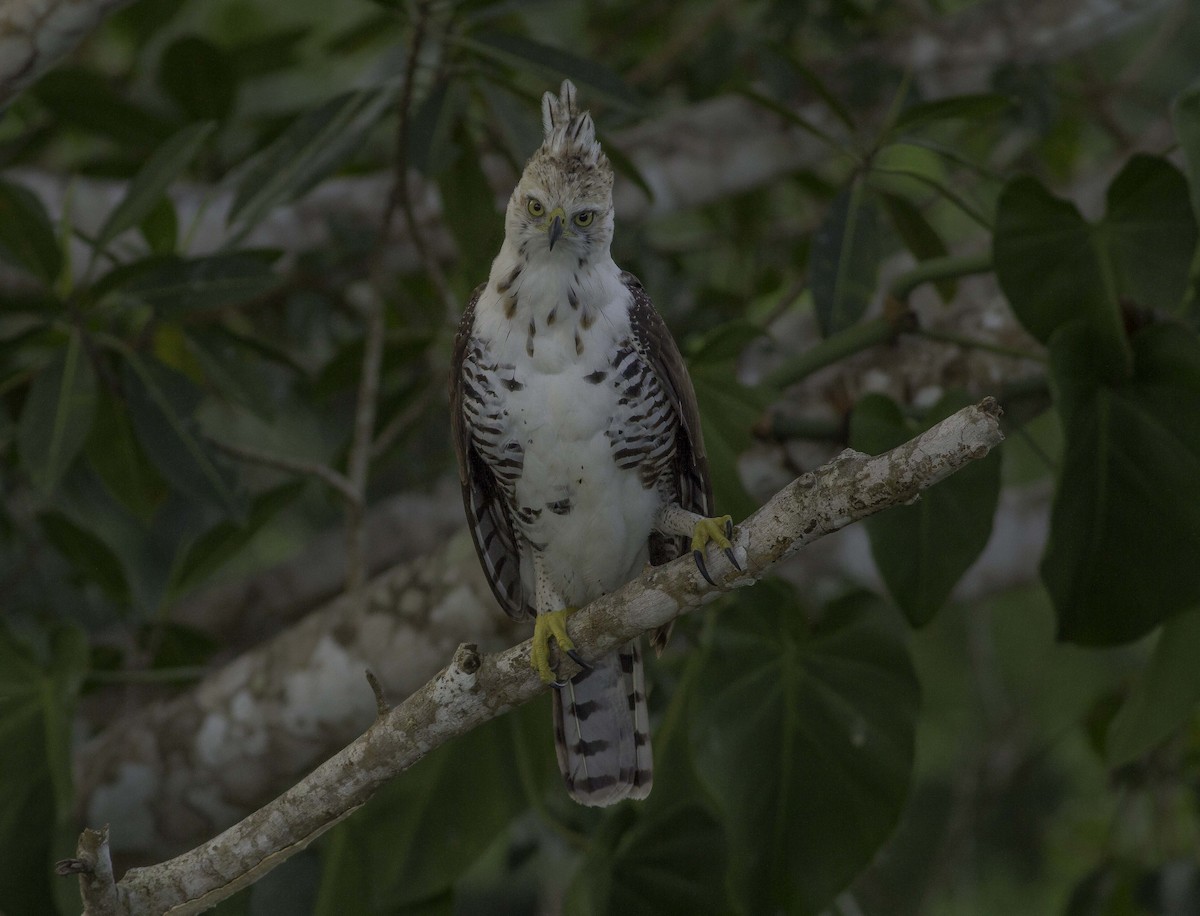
[(578, 441)]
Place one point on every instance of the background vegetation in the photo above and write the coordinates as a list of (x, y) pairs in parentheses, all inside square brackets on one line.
[(180, 407)]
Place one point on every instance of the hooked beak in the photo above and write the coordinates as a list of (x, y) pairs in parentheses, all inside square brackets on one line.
[(556, 227)]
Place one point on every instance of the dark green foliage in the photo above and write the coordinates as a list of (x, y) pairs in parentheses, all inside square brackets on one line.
[(923, 550), (817, 751), (804, 735), (1122, 532), (845, 259)]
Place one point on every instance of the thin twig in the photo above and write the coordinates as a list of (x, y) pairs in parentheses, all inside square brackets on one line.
[(327, 475), (403, 421), (359, 460)]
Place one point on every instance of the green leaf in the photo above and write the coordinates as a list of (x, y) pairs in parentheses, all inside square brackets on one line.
[(83, 98), (57, 415), (87, 553), (1125, 528), (225, 540), (432, 128), (26, 237), (36, 702), (173, 286), (805, 737), (919, 237), (311, 149), (981, 107), (468, 206), (426, 828), (1149, 233), (114, 454), (199, 76), (844, 261), (161, 406), (663, 861), (1050, 269), (1056, 268), (1163, 697), (1186, 115), (152, 180), (588, 75), (160, 227), (922, 550), (790, 115)]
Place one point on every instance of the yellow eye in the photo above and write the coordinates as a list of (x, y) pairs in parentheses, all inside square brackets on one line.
[(584, 219), (535, 207)]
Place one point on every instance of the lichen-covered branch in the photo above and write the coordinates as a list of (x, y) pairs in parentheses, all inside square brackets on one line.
[(476, 687)]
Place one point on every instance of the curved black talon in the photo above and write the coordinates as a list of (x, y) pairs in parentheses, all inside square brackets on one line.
[(729, 530), (733, 558), (698, 556), (578, 659)]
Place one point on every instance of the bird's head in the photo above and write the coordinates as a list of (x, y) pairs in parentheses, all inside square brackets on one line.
[(562, 206)]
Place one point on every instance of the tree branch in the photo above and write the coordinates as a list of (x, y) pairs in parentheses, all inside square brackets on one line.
[(475, 688)]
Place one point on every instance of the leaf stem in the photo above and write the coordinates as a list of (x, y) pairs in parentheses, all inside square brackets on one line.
[(832, 349), (946, 267)]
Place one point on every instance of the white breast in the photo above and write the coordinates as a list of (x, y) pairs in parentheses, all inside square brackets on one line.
[(590, 518)]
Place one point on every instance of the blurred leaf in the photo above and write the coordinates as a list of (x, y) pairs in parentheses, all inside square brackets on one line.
[(724, 343), (160, 227), (199, 76), (173, 286), (235, 371), (26, 237), (1054, 267), (87, 553), (432, 127), (817, 85), (923, 549), (118, 460), (469, 207), (805, 737), (588, 75), (269, 53), (37, 698), (226, 539), (510, 118), (424, 829), (666, 861), (161, 404), (982, 107), (1186, 117), (1163, 697), (82, 98), (312, 148), (919, 237), (57, 415), (1149, 232), (791, 116), (625, 166), (176, 645), (728, 412), (149, 185), (1049, 268), (844, 261), (1125, 530)]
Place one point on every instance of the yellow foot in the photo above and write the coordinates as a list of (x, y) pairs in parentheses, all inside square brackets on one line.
[(547, 626), (718, 531)]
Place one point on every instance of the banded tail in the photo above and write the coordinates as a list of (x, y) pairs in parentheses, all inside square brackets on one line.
[(602, 731)]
